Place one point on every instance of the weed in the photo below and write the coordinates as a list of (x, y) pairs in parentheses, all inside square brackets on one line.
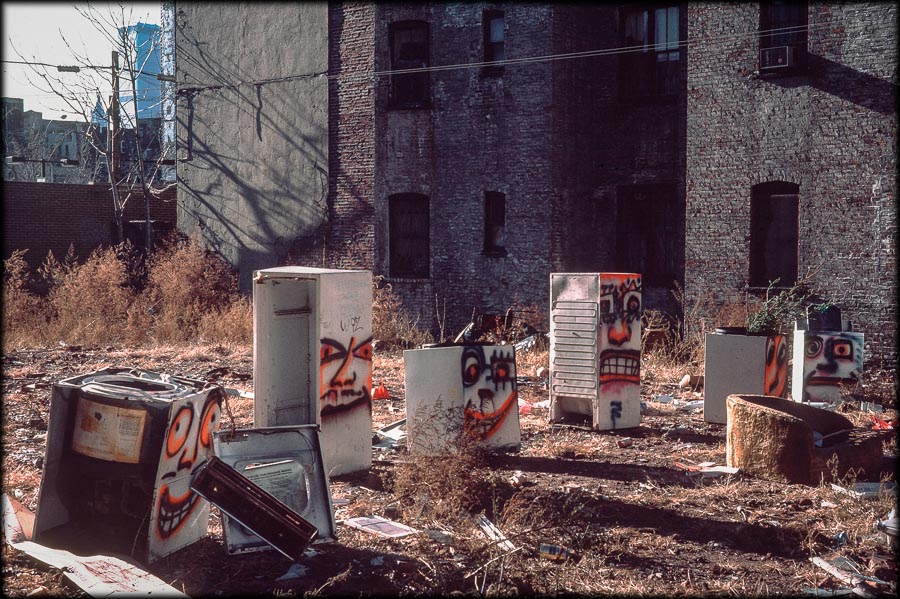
[(391, 326)]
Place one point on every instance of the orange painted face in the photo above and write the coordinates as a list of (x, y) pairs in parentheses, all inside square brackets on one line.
[(345, 375), (489, 389), (620, 328), (776, 366), (187, 445)]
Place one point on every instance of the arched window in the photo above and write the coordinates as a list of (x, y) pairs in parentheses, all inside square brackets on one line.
[(774, 223)]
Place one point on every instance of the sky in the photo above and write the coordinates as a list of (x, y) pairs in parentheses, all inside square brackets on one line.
[(36, 29)]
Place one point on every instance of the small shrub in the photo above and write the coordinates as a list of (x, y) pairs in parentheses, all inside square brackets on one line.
[(391, 326), (24, 313), (185, 283), (89, 303), (231, 325)]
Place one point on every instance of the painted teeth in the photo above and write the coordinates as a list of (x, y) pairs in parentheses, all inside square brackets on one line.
[(620, 365)]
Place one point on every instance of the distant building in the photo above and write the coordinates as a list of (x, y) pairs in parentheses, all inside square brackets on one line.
[(714, 147)]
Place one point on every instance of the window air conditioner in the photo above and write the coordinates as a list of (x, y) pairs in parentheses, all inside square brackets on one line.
[(777, 57)]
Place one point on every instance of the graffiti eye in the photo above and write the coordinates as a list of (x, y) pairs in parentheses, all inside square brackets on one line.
[(634, 304), (843, 349), (209, 422), (363, 351), (782, 353), (813, 347), (501, 372), (178, 432), (472, 367), (605, 306), (331, 350)]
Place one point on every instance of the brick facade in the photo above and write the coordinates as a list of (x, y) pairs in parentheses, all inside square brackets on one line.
[(597, 173), (831, 130), (42, 217)]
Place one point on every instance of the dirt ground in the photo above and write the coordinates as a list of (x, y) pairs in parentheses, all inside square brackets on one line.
[(633, 521)]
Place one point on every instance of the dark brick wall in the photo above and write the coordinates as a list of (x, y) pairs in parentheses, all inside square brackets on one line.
[(41, 217), (831, 130)]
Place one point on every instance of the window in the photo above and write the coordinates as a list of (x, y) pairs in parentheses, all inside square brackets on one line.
[(409, 50), (652, 65), (783, 23), (648, 218), (494, 36), (774, 218), (494, 223), (409, 234)]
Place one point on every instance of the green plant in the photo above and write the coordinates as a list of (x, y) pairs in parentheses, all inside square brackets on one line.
[(778, 311)]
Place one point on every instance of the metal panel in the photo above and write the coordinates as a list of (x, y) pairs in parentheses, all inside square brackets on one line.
[(296, 476), (573, 337)]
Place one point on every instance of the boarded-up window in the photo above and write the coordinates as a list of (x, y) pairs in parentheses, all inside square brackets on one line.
[(409, 50), (774, 221), (494, 223), (783, 23), (648, 221), (409, 233)]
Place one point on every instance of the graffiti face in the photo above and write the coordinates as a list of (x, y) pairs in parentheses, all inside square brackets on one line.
[(776, 365), (831, 360), (489, 389), (619, 335), (345, 375), (186, 447)]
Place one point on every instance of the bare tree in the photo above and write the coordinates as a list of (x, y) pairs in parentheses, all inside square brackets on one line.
[(114, 129)]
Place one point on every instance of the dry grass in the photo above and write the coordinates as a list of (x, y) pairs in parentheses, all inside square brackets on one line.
[(183, 294)]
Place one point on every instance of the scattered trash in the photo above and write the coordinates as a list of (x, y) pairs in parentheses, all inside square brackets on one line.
[(239, 393), (663, 399), (381, 392), (518, 479), (555, 553), (377, 561), (693, 381), (41, 591), (716, 471), (879, 424), (97, 575), (871, 406), (625, 442), (524, 406), (840, 538), (542, 404), (339, 501), (297, 570), (527, 343), (494, 533), (391, 435), (692, 406), (380, 526), (848, 572), (866, 490), (441, 536), (829, 593), (827, 503), (889, 527)]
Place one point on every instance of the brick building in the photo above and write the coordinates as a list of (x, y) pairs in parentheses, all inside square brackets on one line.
[(41, 217), (538, 138)]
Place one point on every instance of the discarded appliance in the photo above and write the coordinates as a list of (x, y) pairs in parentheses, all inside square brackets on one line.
[(773, 438), (458, 390), (254, 507), (97, 575), (312, 357), (121, 448), (287, 463), (742, 364), (824, 360), (595, 348)]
